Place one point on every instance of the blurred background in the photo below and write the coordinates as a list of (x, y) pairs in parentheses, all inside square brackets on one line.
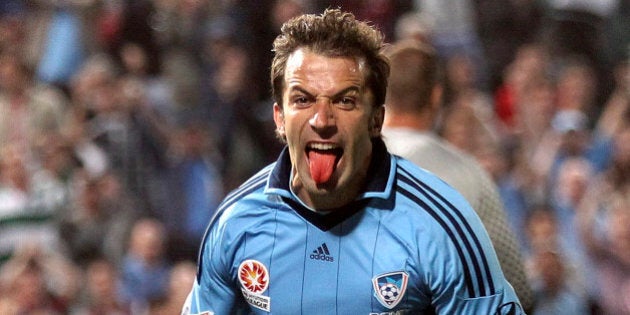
[(123, 123)]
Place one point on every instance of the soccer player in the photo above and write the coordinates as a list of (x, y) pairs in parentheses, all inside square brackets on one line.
[(337, 225), (413, 107)]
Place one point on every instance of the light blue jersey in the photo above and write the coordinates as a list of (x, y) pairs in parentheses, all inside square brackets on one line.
[(409, 244)]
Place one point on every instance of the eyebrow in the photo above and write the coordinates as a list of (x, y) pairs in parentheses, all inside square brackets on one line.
[(336, 95)]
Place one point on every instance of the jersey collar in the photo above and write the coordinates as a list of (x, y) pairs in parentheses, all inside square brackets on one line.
[(378, 185)]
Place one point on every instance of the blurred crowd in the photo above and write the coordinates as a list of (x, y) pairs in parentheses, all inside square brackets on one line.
[(123, 123)]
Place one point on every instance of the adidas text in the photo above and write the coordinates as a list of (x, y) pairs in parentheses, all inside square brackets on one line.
[(322, 257)]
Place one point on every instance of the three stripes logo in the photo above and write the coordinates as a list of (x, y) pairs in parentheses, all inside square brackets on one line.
[(322, 253)]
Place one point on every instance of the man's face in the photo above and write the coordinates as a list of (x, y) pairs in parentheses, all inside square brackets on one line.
[(328, 119)]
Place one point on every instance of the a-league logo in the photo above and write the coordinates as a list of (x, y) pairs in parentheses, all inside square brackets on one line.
[(253, 276), (254, 279)]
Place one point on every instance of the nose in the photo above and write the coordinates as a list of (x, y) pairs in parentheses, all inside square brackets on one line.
[(324, 115)]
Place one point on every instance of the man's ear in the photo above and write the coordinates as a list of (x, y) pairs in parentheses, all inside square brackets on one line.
[(376, 124), (278, 118)]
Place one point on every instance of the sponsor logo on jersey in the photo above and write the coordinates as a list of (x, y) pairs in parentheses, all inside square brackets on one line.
[(322, 253), (389, 288), (254, 279)]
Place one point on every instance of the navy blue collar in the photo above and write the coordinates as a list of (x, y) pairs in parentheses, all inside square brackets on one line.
[(377, 191), (379, 181)]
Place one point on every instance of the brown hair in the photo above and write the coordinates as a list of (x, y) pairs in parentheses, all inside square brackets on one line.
[(333, 33)]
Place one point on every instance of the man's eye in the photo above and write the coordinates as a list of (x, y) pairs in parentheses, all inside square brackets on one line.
[(301, 101), (346, 102)]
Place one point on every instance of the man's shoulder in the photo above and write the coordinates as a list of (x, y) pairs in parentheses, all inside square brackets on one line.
[(247, 197), (430, 193)]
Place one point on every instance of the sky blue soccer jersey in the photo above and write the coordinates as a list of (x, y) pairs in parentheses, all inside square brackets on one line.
[(409, 244)]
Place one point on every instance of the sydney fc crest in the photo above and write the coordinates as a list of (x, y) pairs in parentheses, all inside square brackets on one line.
[(389, 288)]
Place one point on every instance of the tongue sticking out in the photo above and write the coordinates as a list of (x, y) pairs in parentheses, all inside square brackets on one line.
[(321, 165)]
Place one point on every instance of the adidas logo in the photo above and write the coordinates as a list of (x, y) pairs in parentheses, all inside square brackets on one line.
[(322, 253)]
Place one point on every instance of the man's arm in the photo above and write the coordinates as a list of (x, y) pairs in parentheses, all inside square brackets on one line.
[(467, 277), (213, 291)]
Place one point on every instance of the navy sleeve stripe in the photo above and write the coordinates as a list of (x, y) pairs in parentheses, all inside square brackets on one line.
[(467, 276), (423, 188), (468, 238), (466, 224)]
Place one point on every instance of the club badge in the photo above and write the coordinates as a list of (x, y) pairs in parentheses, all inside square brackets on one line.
[(389, 288)]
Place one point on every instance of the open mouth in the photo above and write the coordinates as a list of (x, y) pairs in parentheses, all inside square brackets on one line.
[(322, 160)]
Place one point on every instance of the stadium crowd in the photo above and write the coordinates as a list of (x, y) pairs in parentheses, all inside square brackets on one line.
[(124, 122)]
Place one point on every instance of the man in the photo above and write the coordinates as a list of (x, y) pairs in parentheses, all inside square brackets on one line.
[(338, 225), (413, 106)]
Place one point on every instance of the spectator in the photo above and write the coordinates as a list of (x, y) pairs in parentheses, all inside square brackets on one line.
[(576, 86), (144, 269), (542, 231), (613, 114), (154, 90), (413, 25), (12, 13), (463, 128), (454, 31), (234, 115), (575, 28), (529, 66), (28, 108), (601, 216), (176, 24), (37, 282), (574, 176), (534, 112), (99, 219), (56, 170), (503, 27), (568, 136), (555, 292), (96, 72), (63, 46), (181, 278), (193, 192), (610, 250), (460, 91), (29, 210), (121, 124), (515, 182), (100, 294), (573, 179)]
